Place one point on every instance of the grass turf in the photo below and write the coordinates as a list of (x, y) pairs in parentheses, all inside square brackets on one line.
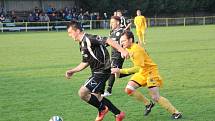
[(33, 87)]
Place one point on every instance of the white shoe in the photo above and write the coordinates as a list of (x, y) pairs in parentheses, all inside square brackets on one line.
[(106, 94)]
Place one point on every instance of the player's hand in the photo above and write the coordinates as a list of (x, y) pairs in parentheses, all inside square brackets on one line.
[(69, 73), (115, 71), (125, 54)]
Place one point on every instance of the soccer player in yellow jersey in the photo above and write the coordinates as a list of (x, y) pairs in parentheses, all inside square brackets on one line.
[(145, 75), (141, 25)]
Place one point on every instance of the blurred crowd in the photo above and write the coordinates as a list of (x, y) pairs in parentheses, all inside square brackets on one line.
[(50, 14)]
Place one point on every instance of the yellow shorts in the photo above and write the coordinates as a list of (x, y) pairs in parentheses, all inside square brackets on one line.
[(140, 32), (147, 79)]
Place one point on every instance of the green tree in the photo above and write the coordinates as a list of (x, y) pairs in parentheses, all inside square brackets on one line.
[(150, 7)]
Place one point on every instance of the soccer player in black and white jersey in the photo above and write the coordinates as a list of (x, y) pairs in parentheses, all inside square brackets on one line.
[(124, 23), (95, 55), (116, 59)]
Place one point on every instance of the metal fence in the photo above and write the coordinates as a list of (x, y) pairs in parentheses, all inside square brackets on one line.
[(181, 21), (102, 24)]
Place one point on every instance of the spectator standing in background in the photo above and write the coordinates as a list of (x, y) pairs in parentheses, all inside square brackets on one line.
[(14, 17), (31, 18), (69, 17), (46, 18), (98, 20), (105, 22), (53, 17), (37, 18), (2, 12), (49, 10), (2, 18)]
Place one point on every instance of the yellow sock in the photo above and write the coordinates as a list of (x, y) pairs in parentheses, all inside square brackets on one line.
[(167, 105), (140, 97)]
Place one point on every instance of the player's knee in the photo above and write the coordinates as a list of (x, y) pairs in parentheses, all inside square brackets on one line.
[(155, 98), (82, 94), (129, 90)]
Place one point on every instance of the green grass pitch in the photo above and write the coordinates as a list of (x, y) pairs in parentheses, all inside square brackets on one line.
[(33, 87)]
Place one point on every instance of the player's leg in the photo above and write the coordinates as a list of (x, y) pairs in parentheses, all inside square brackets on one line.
[(92, 99), (140, 37), (131, 91), (110, 84), (116, 63), (98, 90), (139, 81), (165, 103), (91, 91), (111, 81), (154, 81), (85, 93), (118, 114), (143, 38)]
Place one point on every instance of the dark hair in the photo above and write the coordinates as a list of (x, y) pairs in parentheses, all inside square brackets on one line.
[(118, 11), (116, 18), (128, 34), (75, 25)]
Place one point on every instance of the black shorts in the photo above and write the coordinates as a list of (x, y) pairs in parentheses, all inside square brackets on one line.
[(96, 83)]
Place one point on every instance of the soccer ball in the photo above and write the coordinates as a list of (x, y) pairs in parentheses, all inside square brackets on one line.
[(56, 118)]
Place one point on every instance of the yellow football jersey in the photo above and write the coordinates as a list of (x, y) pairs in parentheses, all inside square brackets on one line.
[(140, 22), (146, 71), (140, 57)]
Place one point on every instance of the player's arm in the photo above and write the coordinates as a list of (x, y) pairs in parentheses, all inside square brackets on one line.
[(128, 26), (104, 40), (78, 68), (131, 70), (113, 44), (125, 71)]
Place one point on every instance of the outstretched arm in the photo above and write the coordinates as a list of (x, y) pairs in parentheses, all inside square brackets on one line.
[(128, 26), (78, 68), (120, 73), (131, 70), (113, 44)]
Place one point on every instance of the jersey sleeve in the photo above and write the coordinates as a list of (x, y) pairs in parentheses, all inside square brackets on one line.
[(84, 52), (131, 70), (84, 59), (98, 40)]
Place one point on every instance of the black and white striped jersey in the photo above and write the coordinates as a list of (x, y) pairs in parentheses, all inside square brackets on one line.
[(94, 52), (115, 36), (124, 22)]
